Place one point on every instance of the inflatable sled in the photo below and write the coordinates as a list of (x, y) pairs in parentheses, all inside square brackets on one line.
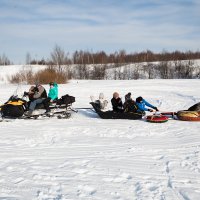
[(115, 115), (157, 118), (16, 107), (186, 115)]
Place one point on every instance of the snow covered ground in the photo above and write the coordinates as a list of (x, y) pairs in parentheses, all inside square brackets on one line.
[(86, 157)]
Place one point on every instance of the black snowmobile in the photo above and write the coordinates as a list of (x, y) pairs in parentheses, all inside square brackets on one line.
[(16, 107), (116, 115)]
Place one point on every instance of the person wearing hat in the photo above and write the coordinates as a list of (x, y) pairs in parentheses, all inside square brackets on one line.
[(52, 96), (30, 93), (142, 103), (128, 97), (129, 104), (38, 94), (117, 103), (101, 103)]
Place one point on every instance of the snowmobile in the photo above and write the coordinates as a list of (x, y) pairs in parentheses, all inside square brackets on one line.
[(16, 107), (116, 115)]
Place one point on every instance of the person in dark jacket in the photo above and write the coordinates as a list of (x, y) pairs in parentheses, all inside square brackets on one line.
[(129, 104), (117, 103), (30, 93), (195, 107), (128, 97), (37, 97), (142, 103)]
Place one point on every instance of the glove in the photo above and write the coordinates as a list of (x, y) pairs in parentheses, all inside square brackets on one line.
[(150, 110), (156, 108)]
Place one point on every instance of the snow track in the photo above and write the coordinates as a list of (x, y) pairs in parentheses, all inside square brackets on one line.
[(85, 157)]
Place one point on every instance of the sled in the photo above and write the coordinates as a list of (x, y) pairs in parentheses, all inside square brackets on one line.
[(115, 115), (157, 118), (59, 115)]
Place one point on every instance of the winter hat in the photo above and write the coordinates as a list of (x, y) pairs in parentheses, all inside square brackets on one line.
[(37, 83), (115, 94), (139, 99), (128, 96), (51, 83)]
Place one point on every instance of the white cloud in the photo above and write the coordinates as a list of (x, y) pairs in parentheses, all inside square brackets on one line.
[(107, 26)]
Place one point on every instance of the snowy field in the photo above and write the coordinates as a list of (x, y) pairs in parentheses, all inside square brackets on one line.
[(88, 158)]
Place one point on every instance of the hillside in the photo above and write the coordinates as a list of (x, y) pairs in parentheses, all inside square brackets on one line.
[(186, 69)]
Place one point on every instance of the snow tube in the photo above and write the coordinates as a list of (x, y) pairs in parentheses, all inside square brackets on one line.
[(115, 115), (157, 118), (186, 115)]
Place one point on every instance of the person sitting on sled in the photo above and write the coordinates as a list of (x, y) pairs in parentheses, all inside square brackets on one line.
[(37, 96), (117, 103), (129, 104), (101, 102), (52, 96), (142, 103), (128, 97)]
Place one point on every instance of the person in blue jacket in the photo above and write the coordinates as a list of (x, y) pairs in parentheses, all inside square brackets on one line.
[(52, 95), (142, 103)]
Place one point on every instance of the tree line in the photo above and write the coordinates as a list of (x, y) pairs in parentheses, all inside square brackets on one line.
[(59, 57), (117, 66)]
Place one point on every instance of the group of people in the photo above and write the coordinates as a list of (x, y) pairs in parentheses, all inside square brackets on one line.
[(139, 105), (38, 95)]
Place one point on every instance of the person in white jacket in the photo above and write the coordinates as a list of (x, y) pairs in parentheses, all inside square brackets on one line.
[(101, 102)]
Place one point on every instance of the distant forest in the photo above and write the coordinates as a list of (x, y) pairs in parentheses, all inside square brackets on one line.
[(62, 66), (60, 57)]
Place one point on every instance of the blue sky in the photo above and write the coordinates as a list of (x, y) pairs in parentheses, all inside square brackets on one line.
[(36, 26)]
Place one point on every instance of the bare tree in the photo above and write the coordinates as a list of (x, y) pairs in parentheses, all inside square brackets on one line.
[(58, 57), (126, 72), (28, 58), (184, 69), (83, 72), (136, 74), (150, 70), (4, 60), (98, 72), (188, 69), (163, 69)]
